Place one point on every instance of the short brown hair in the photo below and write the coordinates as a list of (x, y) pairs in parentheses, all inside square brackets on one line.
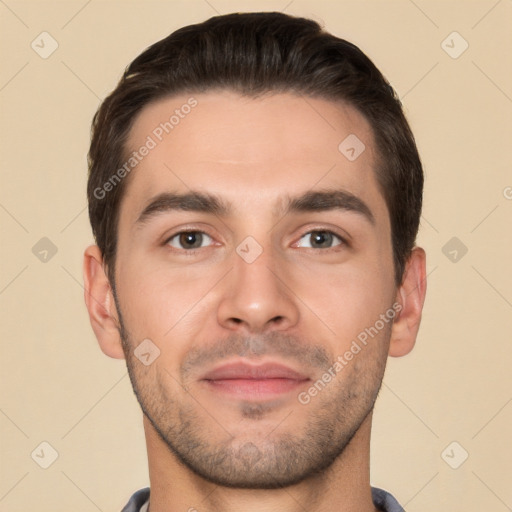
[(255, 53)]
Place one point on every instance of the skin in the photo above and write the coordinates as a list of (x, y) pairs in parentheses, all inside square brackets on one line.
[(298, 303)]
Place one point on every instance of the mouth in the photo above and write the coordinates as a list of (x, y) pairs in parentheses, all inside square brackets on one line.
[(254, 382)]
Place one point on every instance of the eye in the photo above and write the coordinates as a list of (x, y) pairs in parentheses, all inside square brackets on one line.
[(188, 240), (321, 239)]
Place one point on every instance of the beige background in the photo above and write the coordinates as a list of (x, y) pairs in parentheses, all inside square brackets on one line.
[(456, 385)]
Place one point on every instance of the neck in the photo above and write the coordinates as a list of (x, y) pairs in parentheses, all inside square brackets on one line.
[(344, 486)]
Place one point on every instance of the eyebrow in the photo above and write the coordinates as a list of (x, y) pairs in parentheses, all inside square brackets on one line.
[(310, 201)]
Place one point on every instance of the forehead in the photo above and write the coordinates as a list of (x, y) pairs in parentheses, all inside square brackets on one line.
[(249, 149)]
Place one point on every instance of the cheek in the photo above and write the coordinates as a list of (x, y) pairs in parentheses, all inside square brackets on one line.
[(160, 302), (349, 297)]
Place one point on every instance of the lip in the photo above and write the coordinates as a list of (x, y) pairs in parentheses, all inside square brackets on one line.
[(250, 381), (242, 370)]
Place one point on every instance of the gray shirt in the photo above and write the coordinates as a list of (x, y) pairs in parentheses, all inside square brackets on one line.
[(384, 501)]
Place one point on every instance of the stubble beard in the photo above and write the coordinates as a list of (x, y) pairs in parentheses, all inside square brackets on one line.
[(289, 454)]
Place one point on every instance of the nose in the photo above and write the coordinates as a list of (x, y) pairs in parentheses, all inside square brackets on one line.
[(256, 297)]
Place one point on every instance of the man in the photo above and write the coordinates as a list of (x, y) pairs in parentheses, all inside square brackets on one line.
[(255, 193)]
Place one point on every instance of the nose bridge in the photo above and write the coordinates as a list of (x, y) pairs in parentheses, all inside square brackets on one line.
[(256, 297), (253, 263)]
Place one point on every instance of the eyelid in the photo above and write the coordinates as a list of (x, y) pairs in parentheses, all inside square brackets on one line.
[(177, 235), (190, 229), (329, 228), (344, 239)]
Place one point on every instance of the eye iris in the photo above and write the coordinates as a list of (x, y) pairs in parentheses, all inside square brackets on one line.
[(321, 238), (192, 240)]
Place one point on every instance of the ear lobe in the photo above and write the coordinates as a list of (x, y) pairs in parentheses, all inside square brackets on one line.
[(411, 297), (100, 303)]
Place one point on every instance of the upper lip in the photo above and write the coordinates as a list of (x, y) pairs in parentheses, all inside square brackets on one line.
[(243, 370)]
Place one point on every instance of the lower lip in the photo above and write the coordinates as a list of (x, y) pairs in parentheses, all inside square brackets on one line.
[(255, 388)]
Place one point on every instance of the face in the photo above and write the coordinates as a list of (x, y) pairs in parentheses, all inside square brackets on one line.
[(254, 256)]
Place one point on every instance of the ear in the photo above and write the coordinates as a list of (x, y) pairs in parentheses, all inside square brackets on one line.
[(100, 303), (410, 296)]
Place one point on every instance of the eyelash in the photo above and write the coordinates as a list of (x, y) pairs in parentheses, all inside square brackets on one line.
[(191, 252)]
